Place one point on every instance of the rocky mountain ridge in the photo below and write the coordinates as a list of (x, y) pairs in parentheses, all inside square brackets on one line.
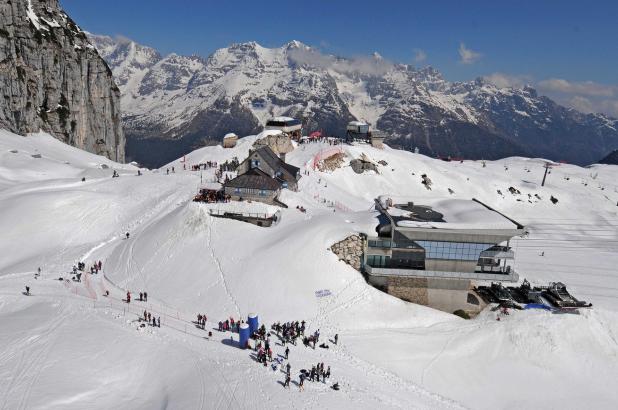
[(175, 103)]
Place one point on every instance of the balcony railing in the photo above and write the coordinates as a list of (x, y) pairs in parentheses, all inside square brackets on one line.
[(512, 276), (498, 252)]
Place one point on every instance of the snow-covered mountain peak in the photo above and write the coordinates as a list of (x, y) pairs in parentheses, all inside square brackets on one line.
[(237, 88)]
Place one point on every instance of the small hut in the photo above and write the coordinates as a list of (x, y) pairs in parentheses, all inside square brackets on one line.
[(229, 140)]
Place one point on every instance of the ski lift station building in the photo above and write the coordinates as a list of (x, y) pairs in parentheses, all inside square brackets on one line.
[(287, 125), (358, 130), (431, 251)]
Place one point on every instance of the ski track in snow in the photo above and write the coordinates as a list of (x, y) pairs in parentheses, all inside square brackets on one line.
[(218, 265)]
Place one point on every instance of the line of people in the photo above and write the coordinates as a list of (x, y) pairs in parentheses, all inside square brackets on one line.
[(201, 321), (151, 320)]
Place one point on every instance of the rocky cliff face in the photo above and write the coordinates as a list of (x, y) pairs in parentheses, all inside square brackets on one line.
[(52, 79)]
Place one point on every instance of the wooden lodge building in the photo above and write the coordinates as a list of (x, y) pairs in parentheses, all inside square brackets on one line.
[(269, 163), (261, 177)]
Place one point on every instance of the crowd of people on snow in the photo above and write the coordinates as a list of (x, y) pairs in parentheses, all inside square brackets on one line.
[(204, 166), (201, 321), (151, 320), (228, 166), (229, 325), (212, 196)]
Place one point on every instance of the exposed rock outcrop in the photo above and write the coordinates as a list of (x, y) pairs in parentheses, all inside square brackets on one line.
[(350, 250), (279, 143), (52, 79), (362, 164)]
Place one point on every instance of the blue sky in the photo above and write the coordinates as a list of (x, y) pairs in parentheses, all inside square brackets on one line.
[(567, 49)]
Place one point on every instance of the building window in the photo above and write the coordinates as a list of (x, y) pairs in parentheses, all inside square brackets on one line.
[(378, 261), (237, 190), (461, 251), (262, 192), (473, 300), (378, 243), (255, 163)]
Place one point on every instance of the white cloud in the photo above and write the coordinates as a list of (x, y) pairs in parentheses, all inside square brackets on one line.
[(468, 56), (589, 88), (502, 80), (419, 55), (371, 65), (584, 96)]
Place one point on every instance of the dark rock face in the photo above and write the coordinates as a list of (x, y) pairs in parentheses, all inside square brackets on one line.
[(611, 158), (52, 79), (189, 101)]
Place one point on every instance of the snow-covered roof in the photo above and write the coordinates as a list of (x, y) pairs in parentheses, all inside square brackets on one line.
[(456, 213), (357, 123), (282, 119), (230, 135)]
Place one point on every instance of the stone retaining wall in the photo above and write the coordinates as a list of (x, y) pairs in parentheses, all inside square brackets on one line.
[(350, 250)]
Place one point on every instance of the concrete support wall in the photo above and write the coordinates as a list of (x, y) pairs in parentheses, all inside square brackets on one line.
[(447, 295)]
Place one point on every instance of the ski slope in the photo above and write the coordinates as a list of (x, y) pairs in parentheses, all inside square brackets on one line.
[(68, 346)]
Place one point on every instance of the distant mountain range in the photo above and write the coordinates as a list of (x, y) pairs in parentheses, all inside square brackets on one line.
[(175, 103)]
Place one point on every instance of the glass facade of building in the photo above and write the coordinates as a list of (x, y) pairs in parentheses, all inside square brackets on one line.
[(460, 251)]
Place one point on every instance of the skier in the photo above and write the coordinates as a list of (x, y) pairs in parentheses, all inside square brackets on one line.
[(288, 368), (301, 384), (127, 235), (159, 321), (145, 296), (28, 290), (148, 317), (154, 322), (128, 297), (145, 315), (336, 338), (141, 297), (100, 265), (287, 352)]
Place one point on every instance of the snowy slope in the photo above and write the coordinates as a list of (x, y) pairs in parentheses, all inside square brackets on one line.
[(67, 346)]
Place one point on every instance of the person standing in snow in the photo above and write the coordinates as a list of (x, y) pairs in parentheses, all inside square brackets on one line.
[(336, 338), (301, 384), (145, 296), (128, 297), (159, 321), (286, 385), (145, 315), (28, 290), (287, 352), (288, 368), (127, 235), (141, 297)]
